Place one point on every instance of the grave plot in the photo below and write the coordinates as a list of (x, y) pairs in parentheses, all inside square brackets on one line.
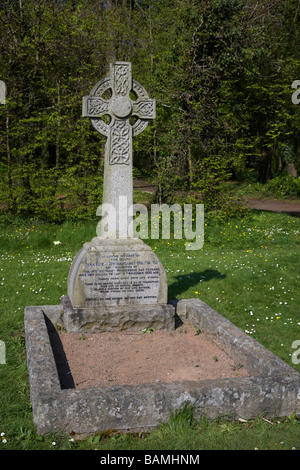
[(118, 286)]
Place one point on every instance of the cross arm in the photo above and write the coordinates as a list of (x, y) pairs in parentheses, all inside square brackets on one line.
[(94, 106), (144, 108)]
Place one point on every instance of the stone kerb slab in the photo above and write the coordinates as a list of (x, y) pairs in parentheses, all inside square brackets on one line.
[(272, 388)]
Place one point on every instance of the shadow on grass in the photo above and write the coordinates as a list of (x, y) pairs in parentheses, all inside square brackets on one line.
[(186, 281)]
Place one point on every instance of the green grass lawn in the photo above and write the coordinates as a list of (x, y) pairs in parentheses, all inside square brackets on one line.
[(248, 270)]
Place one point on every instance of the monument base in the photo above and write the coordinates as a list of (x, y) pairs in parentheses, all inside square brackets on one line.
[(116, 284), (133, 318)]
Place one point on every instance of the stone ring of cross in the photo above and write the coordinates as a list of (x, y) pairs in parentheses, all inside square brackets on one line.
[(119, 106)]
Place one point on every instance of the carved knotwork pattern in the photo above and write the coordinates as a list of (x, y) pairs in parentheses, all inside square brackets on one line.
[(122, 85), (145, 108), (120, 144), (100, 126), (102, 87), (139, 127), (119, 131), (97, 106), (139, 90)]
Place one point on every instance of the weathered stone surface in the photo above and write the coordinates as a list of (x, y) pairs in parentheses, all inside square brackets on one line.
[(107, 273), (181, 309), (2, 92), (114, 285), (126, 317), (233, 340), (116, 281), (273, 389), (118, 147)]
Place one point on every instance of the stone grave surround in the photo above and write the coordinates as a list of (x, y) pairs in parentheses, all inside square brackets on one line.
[(116, 281), (272, 388)]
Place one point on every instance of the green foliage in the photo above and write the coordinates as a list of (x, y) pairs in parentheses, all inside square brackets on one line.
[(284, 186), (220, 71), (54, 194)]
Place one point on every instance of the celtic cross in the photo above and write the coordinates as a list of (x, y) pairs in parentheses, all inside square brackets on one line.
[(120, 107)]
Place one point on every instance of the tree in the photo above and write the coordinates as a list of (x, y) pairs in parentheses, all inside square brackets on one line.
[(47, 78), (220, 70)]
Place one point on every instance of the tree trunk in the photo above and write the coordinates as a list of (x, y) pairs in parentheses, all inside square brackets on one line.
[(190, 166), (265, 165), (155, 161), (111, 53), (57, 151), (291, 170), (11, 202)]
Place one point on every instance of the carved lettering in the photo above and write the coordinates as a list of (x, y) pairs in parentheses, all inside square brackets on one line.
[(121, 275)]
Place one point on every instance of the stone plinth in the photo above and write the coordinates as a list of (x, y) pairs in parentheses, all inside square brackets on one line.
[(117, 284)]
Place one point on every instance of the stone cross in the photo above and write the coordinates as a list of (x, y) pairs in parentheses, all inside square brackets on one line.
[(2, 92), (129, 109)]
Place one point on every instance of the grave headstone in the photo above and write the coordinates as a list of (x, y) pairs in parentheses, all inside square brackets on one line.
[(120, 107), (116, 281)]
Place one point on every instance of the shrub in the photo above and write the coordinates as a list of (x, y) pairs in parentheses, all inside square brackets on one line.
[(284, 186)]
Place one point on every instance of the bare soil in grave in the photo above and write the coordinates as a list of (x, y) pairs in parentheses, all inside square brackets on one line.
[(132, 358)]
